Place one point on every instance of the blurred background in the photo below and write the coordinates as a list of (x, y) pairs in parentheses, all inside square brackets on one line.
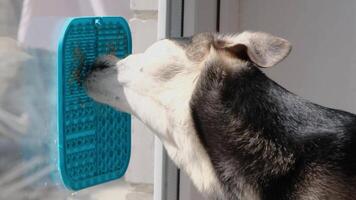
[(29, 31)]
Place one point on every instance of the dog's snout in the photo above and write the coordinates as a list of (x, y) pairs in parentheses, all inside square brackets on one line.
[(103, 68), (104, 62)]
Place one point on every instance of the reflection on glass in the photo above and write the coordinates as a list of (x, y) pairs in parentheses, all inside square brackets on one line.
[(28, 140)]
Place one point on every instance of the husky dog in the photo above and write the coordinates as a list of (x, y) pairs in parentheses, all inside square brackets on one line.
[(235, 132)]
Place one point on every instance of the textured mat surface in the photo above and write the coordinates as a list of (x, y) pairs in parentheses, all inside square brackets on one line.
[(94, 139)]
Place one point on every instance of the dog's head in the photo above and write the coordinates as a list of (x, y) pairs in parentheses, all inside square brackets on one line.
[(157, 85)]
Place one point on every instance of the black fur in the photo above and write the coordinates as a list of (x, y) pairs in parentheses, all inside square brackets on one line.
[(104, 62), (261, 136)]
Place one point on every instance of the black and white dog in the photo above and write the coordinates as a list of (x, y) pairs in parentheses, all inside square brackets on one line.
[(235, 132)]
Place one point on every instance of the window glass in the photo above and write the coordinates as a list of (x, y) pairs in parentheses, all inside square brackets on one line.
[(29, 31)]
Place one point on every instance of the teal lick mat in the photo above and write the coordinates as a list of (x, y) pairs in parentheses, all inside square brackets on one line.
[(94, 139)]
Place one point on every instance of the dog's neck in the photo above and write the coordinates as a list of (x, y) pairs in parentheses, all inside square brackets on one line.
[(248, 124), (189, 154), (231, 114), (174, 126), (185, 148)]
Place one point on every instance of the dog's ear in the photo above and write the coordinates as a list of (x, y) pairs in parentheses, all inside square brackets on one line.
[(263, 49)]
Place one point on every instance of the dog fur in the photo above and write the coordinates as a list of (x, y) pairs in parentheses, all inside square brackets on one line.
[(237, 133)]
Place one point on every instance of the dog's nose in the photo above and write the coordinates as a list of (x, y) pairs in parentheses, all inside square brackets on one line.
[(104, 62)]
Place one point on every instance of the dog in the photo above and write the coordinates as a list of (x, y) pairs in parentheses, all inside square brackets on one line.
[(235, 132)]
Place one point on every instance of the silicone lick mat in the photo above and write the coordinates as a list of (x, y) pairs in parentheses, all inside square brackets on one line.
[(94, 139)]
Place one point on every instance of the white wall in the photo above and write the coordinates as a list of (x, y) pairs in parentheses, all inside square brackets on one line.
[(322, 65)]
